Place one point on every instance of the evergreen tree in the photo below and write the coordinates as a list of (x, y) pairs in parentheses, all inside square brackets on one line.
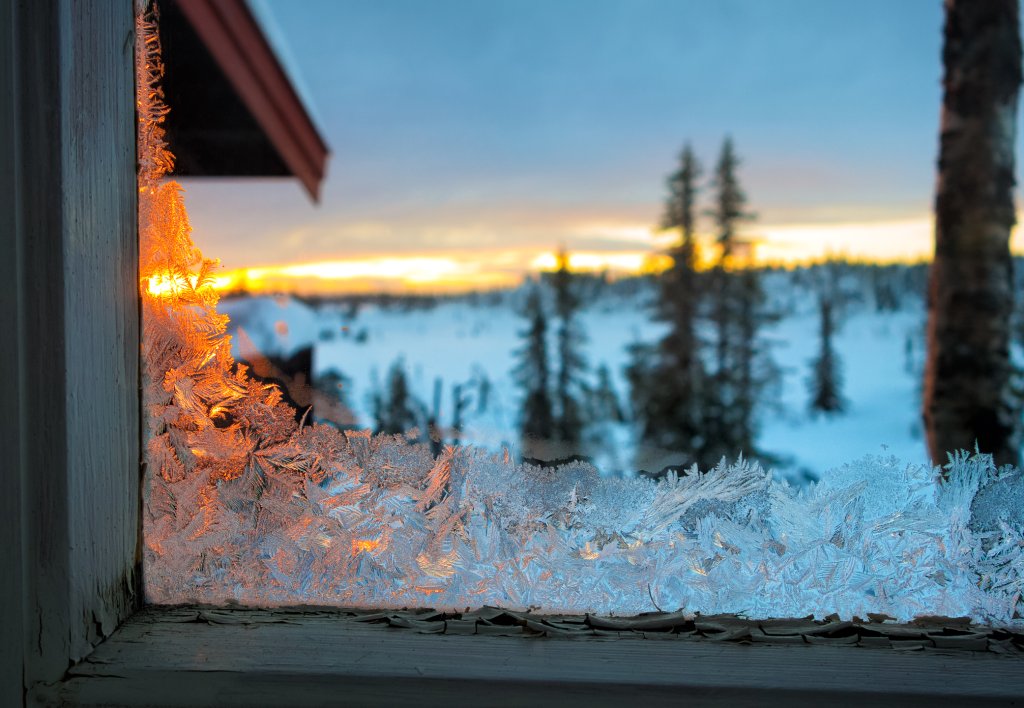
[(729, 210), (376, 397), (826, 378), (483, 389), (748, 387), (460, 403), (570, 383), (434, 431), (640, 363), (396, 411), (668, 380), (883, 289), (533, 376), (602, 438), (741, 365), (605, 405)]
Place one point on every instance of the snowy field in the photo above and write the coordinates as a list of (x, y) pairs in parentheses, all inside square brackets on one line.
[(465, 340), (265, 511)]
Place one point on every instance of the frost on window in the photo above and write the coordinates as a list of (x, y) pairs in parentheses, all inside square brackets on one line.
[(246, 502)]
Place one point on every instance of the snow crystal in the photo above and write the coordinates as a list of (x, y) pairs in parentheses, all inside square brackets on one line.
[(243, 503)]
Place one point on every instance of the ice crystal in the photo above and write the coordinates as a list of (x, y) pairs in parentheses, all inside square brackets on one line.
[(245, 504)]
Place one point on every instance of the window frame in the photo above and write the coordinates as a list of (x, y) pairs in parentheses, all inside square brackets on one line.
[(69, 404), (70, 515)]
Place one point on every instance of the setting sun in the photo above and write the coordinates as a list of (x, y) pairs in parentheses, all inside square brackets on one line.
[(168, 284)]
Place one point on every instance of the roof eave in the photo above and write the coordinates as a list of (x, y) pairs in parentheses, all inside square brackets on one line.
[(237, 43)]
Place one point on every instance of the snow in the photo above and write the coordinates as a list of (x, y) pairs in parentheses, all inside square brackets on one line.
[(883, 413), (243, 503), (458, 340), (271, 512), (390, 527), (277, 326)]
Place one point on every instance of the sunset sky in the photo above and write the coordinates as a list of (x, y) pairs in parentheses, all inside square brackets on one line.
[(470, 139)]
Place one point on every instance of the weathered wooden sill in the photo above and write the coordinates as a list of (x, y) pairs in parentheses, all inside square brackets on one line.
[(181, 657)]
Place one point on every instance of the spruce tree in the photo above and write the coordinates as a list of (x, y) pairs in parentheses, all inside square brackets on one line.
[(460, 403), (729, 210), (741, 366), (668, 379), (570, 383), (483, 390), (532, 375), (826, 378), (396, 411), (605, 404), (640, 360), (434, 432)]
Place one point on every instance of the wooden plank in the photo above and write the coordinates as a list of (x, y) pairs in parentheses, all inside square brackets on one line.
[(101, 306), (70, 408), (43, 421), (267, 658), (11, 608), (167, 688)]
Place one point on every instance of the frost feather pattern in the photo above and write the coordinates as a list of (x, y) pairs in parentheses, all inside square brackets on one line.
[(244, 504)]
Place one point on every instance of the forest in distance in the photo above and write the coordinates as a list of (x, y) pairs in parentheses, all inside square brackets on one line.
[(698, 387), (840, 342)]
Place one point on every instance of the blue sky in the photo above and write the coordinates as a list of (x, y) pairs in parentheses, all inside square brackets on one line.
[(501, 124)]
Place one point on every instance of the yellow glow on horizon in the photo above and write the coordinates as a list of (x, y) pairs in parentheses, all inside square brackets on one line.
[(631, 262), (897, 241), (880, 241), (432, 274), (906, 240), (411, 268), (641, 234)]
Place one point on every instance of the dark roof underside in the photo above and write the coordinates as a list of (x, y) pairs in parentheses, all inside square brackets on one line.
[(234, 112)]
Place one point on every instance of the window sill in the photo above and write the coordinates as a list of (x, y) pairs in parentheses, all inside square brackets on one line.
[(166, 657)]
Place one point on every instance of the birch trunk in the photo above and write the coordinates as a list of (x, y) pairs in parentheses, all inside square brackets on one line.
[(968, 390)]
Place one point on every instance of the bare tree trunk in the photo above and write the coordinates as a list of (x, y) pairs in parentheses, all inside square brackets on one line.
[(968, 393)]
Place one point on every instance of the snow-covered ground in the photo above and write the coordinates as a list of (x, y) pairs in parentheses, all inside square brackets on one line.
[(883, 413), (463, 341), (371, 521)]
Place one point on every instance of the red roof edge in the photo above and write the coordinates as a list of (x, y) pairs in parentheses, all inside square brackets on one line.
[(237, 43)]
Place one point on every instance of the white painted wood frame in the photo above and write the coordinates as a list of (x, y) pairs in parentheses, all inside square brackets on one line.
[(69, 334), (70, 470)]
